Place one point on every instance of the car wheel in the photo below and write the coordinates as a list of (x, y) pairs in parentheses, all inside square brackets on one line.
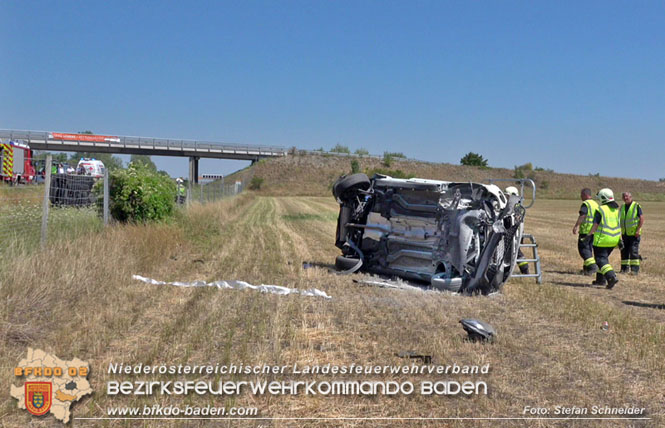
[(346, 187), (346, 263), (514, 247), (494, 274)]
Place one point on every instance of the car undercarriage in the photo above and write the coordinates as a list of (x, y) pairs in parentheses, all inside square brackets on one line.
[(456, 236)]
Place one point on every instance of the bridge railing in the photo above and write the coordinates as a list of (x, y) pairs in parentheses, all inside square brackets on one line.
[(148, 143)]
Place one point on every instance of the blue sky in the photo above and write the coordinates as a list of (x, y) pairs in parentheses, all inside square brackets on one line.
[(578, 87)]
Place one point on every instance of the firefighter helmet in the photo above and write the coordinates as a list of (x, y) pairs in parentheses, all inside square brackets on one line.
[(512, 190), (605, 196)]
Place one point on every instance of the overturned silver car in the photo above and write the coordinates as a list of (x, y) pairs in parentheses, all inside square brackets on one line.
[(461, 237)]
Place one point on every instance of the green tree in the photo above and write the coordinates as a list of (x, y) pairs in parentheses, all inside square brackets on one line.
[(387, 159), (57, 157), (524, 171), (145, 160), (340, 149), (256, 182), (362, 152), (355, 166), (473, 159)]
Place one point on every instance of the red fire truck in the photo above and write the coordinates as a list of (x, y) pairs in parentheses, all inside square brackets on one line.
[(16, 162)]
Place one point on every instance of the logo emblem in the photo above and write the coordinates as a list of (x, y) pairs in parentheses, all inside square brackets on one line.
[(38, 397)]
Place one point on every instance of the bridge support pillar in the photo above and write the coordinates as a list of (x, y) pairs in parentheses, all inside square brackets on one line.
[(193, 170)]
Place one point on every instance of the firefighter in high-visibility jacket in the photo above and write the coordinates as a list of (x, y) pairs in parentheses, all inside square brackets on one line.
[(631, 220), (583, 226), (606, 233), (181, 192)]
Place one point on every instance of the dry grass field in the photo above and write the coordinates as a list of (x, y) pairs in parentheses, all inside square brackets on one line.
[(77, 299)]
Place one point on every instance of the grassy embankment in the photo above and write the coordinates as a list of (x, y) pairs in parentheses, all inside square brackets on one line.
[(313, 175)]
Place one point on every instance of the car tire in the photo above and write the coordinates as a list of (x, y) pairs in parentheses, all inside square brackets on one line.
[(514, 250), (345, 263), (346, 187)]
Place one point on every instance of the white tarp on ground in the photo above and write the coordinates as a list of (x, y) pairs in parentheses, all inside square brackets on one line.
[(238, 285)]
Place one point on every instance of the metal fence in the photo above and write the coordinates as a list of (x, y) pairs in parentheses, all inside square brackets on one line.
[(61, 206), (20, 216), (213, 190)]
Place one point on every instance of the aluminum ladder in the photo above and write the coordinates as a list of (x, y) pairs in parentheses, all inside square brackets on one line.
[(535, 260)]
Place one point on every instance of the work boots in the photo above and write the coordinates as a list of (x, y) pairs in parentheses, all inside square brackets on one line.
[(600, 279), (611, 280), (625, 269), (524, 269), (635, 270)]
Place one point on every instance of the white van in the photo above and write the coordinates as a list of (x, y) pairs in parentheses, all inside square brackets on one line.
[(92, 167)]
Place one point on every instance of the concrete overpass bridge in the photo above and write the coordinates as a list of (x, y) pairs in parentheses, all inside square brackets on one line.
[(194, 150)]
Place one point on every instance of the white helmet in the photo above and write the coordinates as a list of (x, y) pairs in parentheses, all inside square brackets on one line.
[(512, 190), (178, 180), (605, 195)]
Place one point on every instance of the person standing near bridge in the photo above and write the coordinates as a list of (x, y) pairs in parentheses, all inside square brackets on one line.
[(631, 219), (181, 192), (606, 233), (583, 226)]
